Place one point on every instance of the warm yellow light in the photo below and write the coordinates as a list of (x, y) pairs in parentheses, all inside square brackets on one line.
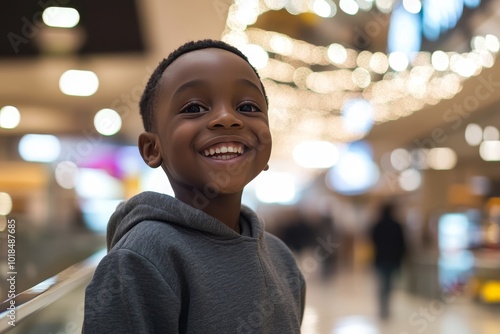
[(300, 76), (396, 87), (337, 53), (379, 63), (275, 4), (398, 61), (490, 291), (463, 66), (491, 133), (361, 77), (473, 134), (5, 204), (256, 55), (490, 150), (440, 61), (281, 44), (324, 8), (491, 42), (442, 158)]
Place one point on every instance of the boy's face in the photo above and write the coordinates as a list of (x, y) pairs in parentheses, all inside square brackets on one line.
[(211, 123)]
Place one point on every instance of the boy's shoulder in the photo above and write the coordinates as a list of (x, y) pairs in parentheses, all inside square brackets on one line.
[(280, 252), (151, 235)]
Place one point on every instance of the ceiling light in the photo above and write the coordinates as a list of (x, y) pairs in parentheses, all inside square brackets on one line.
[(256, 55), (349, 6), (9, 117), (337, 53), (440, 60), (442, 158), (492, 43), (107, 122), (490, 150), (473, 134), (39, 148), (400, 159), (5, 204), (412, 6), (60, 17), (397, 84), (324, 8), (398, 61), (275, 4), (410, 179), (79, 83), (491, 133)]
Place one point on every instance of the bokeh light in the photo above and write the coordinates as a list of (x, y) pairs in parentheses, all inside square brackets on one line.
[(9, 117), (79, 83), (316, 154), (107, 122), (39, 148)]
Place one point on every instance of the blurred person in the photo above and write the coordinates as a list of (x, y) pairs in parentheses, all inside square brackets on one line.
[(389, 245), (298, 234), (200, 262)]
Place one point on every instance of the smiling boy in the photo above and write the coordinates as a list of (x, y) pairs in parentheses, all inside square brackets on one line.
[(200, 262)]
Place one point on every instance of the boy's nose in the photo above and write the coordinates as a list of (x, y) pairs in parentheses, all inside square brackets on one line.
[(225, 117)]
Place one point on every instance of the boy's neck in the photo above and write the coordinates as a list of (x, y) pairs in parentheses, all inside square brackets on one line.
[(225, 208)]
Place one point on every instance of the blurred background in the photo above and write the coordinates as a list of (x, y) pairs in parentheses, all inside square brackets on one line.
[(371, 101)]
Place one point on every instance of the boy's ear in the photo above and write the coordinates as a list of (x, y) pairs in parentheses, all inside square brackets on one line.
[(149, 147)]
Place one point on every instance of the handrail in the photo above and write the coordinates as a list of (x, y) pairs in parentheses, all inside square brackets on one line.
[(41, 295)]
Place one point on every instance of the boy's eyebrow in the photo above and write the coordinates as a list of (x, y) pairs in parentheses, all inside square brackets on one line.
[(200, 82), (251, 84), (188, 85)]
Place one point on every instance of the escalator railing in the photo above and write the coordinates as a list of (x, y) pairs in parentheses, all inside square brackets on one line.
[(45, 293)]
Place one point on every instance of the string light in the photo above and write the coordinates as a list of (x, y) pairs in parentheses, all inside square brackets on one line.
[(396, 85)]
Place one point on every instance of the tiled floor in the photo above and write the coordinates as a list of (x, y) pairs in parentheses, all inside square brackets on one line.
[(346, 304)]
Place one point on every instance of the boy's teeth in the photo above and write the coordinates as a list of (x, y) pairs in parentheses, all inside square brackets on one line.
[(235, 149)]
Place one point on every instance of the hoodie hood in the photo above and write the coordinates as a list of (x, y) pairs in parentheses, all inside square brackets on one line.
[(160, 207)]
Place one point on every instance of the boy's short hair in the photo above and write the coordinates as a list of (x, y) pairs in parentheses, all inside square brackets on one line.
[(150, 94)]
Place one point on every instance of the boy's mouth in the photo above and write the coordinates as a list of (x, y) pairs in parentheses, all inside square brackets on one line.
[(224, 151)]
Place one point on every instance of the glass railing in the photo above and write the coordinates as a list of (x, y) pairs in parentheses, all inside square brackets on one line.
[(16, 311)]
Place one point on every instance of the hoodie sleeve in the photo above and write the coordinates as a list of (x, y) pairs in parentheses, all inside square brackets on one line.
[(129, 295)]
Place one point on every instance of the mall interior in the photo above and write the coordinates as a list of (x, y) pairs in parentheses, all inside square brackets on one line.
[(370, 102)]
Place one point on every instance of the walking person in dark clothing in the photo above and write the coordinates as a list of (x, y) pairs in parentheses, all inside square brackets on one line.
[(390, 247)]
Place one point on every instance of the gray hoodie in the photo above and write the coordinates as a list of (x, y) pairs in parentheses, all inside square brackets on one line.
[(174, 269)]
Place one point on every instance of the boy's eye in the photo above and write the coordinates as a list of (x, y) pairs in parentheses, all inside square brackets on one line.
[(247, 107), (193, 108)]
